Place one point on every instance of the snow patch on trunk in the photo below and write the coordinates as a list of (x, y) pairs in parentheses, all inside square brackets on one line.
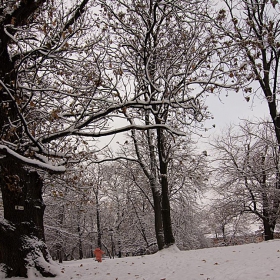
[(36, 262), (169, 250)]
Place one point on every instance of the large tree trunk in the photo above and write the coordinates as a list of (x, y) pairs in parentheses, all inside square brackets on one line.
[(22, 241)]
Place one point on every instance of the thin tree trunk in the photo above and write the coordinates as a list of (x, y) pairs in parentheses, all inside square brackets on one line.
[(81, 255), (99, 233), (59, 253), (224, 233), (166, 215), (158, 216), (59, 244), (267, 224), (268, 229), (142, 227)]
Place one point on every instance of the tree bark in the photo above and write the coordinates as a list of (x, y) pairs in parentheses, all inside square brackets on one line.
[(156, 194), (166, 215), (22, 240), (158, 217), (151, 176), (98, 224), (268, 229), (268, 223), (81, 255)]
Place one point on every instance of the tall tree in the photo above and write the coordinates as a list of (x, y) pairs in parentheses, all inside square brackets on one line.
[(248, 172), (161, 54), (52, 93), (29, 36), (251, 31)]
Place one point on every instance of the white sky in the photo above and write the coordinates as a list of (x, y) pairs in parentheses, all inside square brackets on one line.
[(231, 109), (234, 107)]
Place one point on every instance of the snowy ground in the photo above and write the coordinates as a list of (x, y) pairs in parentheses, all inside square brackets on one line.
[(244, 262)]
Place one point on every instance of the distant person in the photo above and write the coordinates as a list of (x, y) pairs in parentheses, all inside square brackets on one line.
[(98, 254)]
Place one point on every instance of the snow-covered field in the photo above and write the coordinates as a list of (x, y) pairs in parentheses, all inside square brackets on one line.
[(244, 262)]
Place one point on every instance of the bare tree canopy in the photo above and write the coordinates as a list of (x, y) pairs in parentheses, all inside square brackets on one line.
[(251, 35)]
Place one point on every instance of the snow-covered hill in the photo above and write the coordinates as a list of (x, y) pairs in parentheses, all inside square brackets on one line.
[(243, 262)]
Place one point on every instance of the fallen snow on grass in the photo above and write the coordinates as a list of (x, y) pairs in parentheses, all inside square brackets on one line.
[(244, 262)]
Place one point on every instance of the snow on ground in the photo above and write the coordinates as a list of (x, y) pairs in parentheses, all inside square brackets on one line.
[(243, 262)]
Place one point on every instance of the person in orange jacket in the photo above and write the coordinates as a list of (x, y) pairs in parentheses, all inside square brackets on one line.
[(98, 254)]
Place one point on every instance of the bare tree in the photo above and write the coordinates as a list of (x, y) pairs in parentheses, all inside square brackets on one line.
[(37, 42), (249, 172), (227, 221), (187, 176), (68, 71), (161, 53), (250, 32), (49, 84), (70, 218)]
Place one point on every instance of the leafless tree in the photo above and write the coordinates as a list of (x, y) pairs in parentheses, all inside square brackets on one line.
[(250, 32), (163, 54), (49, 82), (248, 172), (68, 71)]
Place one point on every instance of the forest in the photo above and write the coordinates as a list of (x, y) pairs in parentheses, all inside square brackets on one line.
[(74, 74)]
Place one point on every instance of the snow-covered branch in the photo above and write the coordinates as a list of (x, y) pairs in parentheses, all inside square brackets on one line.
[(7, 152)]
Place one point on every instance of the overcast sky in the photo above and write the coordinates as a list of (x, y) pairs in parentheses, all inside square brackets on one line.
[(232, 109)]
